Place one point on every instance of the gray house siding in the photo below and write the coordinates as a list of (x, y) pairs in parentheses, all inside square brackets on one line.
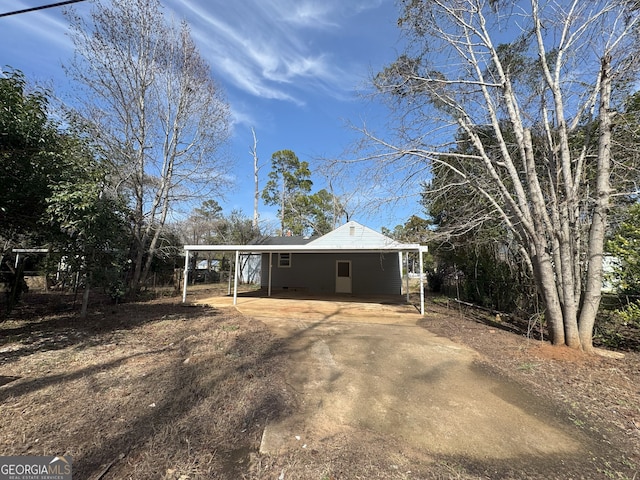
[(371, 273)]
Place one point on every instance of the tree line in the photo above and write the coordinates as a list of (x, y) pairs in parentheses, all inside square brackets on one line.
[(98, 184), (520, 120)]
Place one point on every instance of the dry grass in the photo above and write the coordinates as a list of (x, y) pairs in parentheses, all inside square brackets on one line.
[(158, 390), (155, 390)]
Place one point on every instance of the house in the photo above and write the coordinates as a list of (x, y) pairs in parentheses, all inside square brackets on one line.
[(352, 259)]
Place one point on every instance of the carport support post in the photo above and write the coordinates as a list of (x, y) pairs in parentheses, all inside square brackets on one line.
[(406, 262), (186, 272), (270, 266), (420, 251), (235, 278)]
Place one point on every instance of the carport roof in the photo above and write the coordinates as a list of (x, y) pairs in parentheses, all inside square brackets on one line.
[(397, 247), (350, 237)]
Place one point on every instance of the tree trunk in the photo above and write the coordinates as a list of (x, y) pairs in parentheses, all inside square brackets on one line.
[(137, 266), (256, 192), (85, 296), (139, 233), (569, 306), (17, 286), (544, 274), (282, 232), (593, 290)]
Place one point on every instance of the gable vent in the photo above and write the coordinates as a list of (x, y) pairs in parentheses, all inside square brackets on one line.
[(352, 230)]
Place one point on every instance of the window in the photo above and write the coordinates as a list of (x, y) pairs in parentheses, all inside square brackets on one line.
[(343, 268), (284, 260)]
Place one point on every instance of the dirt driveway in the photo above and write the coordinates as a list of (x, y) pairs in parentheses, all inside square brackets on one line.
[(375, 368)]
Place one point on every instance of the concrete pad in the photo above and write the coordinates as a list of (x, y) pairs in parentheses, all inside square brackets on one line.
[(369, 366)]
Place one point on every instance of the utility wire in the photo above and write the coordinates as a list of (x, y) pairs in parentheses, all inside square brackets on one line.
[(42, 7)]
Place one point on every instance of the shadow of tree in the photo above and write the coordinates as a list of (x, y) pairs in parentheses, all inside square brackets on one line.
[(236, 394), (40, 332), (29, 386), (240, 393)]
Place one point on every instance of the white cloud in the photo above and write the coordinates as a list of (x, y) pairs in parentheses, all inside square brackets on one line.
[(43, 25), (309, 14), (274, 50), (241, 117)]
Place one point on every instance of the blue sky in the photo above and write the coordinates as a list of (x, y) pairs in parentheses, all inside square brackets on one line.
[(291, 69)]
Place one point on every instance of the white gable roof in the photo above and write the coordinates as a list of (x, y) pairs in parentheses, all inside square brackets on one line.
[(353, 235)]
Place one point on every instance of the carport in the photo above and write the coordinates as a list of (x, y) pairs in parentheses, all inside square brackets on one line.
[(393, 248)]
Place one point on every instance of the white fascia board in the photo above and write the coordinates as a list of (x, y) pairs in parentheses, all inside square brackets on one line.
[(400, 247)]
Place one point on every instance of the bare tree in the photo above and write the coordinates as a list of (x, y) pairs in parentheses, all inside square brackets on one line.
[(350, 199), (256, 183), (536, 114), (157, 113)]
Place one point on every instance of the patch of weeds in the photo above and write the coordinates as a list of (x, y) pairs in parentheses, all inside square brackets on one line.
[(528, 367), (444, 301), (577, 422), (609, 471), (451, 471), (11, 339), (628, 463), (619, 329), (230, 328)]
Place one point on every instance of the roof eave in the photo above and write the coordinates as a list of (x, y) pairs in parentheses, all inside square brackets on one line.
[(400, 247)]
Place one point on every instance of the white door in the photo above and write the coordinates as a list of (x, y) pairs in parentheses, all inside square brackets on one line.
[(343, 276)]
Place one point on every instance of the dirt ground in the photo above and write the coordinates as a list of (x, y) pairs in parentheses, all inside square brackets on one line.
[(163, 390)]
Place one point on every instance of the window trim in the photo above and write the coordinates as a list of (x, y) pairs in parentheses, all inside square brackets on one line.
[(287, 256)]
